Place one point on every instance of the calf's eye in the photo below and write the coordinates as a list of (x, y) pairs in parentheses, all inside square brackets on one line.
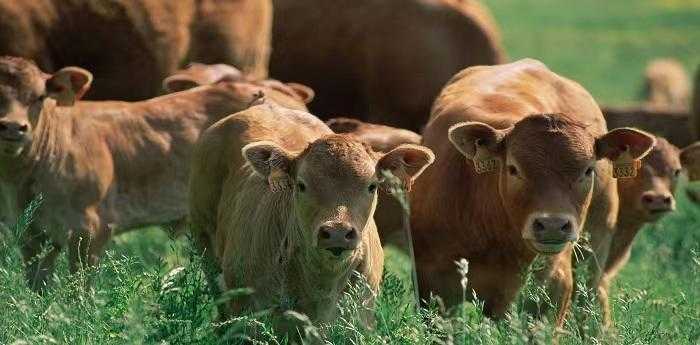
[(589, 171), (372, 188), (677, 173), (512, 170)]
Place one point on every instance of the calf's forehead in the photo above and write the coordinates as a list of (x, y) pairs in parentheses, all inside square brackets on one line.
[(337, 158), (20, 79), (663, 157)]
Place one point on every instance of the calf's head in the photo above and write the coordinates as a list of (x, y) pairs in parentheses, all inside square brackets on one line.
[(546, 166), (690, 159), (333, 185), (23, 91), (651, 191)]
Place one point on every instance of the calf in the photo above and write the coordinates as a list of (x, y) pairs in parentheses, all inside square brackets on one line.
[(666, 84), (643, 199), (103, 167), (280, 203), (690, 158), (523, 165)]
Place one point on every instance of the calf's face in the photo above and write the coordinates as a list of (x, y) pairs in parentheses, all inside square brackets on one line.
[(333, 185), (651, 191), (546, 167), (23, 90)]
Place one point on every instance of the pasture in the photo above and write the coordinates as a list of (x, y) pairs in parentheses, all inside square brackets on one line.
[(149, 289)]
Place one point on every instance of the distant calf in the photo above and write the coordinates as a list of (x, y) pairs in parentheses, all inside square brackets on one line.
[(281, 204), (643, 199), (382, 61), (522, 167), (666, 84), (690, 158), (131, 45), (103, 167)]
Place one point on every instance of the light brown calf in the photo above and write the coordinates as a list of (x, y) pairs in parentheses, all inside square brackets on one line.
[(522, 167), (666, 84), (643, 199), (102, 167), (281, 204), (382, 61)]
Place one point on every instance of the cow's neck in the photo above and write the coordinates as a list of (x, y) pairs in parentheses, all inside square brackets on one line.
[(628, 226)]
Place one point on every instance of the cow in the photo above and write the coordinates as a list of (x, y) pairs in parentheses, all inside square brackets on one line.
[(690, 159), (666, 84), (281, 204), (391, 215), (120, 39), (102, 167), (644, 199), (382, 61), (523, 165)]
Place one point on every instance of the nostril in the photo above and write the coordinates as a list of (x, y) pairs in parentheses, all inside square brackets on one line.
[(647, 199), (538, 226), (325, 234), (3, 127), (667, 200), (566, 227), (23, 128), (351, 235)]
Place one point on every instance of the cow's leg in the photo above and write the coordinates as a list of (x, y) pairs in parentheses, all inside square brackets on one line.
[(39, 256), (87, 241), (557, 278)]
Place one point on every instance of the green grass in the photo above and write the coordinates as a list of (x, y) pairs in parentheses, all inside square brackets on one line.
[(149, 289), (603, 44)]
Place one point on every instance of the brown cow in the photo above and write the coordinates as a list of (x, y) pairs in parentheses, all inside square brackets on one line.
[(666, 84), (131, 45), (384, 61), (643, 199), (102, 167), (292, 216), (690, 158), (534, 143)]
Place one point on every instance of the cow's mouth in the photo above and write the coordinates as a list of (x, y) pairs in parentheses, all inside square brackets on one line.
[(547, 247), (337, 251)]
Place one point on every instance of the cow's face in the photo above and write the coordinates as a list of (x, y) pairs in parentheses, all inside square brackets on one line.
[(23, 90), (334, 185), (651, 191), (690, 159), (546, 168)]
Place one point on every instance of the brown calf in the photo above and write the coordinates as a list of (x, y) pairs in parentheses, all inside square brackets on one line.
[(291, 216), (522, 167), (666, 84), (103, 167)]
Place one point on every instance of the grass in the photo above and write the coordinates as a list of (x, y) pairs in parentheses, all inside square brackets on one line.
[(149, 289)]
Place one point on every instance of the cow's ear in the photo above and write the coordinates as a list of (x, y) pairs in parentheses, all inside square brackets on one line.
[(302, 92), (178, 82), (406, 162), (272, 162), (68, 85), (478, 142), (620, 140), (343, 124), (690, 159)]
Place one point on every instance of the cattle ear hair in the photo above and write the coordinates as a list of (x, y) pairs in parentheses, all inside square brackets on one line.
[(406, 162), (619, 140), (177, 83), (466, 136), (68, 85), (690, 160), (302, 92), (271, 162)]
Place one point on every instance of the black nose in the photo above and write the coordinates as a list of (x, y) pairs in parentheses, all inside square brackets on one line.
[(551, 224), (337, 237), (657, 202)]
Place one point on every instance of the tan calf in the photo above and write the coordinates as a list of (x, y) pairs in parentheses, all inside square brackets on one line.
[(102, 167), (281, 204), (522, 167), (666, 84)]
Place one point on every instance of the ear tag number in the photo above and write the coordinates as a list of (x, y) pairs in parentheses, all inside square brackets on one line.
[(484, 160), (625, 166)]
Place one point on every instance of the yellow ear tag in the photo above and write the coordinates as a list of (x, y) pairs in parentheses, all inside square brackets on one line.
[(484, 160), (625, 166)]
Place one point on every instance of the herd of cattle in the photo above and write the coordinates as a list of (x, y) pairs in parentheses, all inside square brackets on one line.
[(514, 160)]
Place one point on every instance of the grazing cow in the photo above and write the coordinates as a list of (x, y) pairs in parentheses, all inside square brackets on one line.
[(291, 216), (643, 199), (103, 167), (666, 84), (522, 166), (383, 61), (120, 39)]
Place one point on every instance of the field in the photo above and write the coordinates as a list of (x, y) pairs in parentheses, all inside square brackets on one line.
[(149, 288)]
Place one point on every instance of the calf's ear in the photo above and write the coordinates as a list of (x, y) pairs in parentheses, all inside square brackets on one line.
[(178, 82), (68, 85), (406, 162), (302, 92), (690, 159), (612, 144), (478, 142), (272, 162)]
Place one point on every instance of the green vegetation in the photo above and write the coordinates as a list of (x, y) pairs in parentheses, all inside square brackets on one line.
[(149, 289)]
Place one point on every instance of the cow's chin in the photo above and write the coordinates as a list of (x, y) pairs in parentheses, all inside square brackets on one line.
[(336, 255), (11, 149), (548, 248)]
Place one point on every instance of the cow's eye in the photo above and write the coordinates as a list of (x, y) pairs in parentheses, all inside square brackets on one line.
[(301, 187), (512, 170), (677, 173), (372, 188), (589, 172)]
